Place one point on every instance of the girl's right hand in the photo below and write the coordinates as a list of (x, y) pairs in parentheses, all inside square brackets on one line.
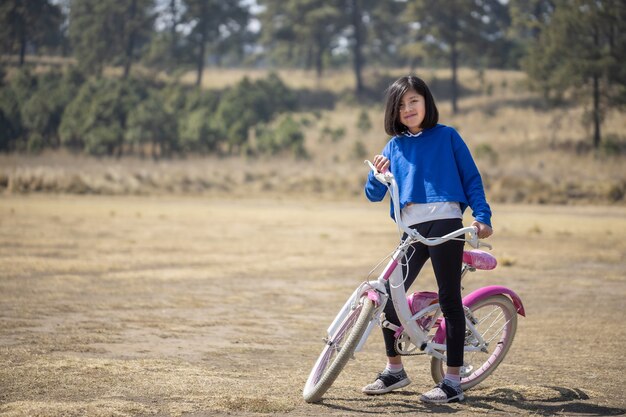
[(484, 231), (381, 163)]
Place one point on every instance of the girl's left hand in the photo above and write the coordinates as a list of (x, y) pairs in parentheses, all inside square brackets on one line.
[(484, 231)]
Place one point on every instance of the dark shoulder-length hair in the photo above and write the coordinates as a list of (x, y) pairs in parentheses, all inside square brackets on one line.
[(394, 94)]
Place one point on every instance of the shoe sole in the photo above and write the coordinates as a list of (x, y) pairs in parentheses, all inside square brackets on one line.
[(454, 399), (397, 385)]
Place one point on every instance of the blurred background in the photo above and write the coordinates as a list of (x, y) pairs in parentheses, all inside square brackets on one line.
[(286, 96)]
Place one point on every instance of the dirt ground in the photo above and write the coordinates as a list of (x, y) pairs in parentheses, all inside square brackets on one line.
[(189, 306)]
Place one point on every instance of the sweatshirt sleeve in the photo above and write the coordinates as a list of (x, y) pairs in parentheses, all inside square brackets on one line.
[(472, 181), (374, 189)]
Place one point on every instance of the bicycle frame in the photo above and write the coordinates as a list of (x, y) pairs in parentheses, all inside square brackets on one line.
[(377, 292)]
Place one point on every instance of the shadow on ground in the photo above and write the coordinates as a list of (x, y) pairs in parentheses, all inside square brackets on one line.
[(561, 401)]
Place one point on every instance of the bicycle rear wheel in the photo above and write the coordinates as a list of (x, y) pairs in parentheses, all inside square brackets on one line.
[(496, 321), (339, 348)]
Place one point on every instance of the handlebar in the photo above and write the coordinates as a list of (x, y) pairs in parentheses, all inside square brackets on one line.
[(388, 179)]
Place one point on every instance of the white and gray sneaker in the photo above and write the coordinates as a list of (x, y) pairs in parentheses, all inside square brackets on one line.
[(387, 381), (443, 393)]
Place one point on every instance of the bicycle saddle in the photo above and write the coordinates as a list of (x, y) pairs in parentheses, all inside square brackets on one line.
[(479, 259)]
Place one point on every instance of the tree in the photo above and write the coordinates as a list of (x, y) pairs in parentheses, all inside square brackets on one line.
[(458, 29), (26, 23), (582, 48), (109, 32), (214, 22), (308, 28), (374, 33), (387, 41), (356, 14), (528, 17)]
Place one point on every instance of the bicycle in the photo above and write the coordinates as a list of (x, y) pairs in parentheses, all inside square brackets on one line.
[(490, 315)]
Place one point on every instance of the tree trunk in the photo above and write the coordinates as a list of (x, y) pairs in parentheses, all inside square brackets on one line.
[(23, 42), (129, 55), (319, 65), (596, 95), (596, 112), (200, 63), (358, 41), (130, 45), (201, 46), (173, 11), (454, 57)]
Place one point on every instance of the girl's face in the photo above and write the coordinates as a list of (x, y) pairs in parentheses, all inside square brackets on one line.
[(412, 110)]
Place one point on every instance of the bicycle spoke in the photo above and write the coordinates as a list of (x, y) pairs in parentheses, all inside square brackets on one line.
[(498, 332)]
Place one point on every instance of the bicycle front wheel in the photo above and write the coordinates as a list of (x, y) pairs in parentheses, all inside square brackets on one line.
[(496, 321), (339, 348)]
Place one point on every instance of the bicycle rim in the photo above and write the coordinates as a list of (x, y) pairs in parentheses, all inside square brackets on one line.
[(497, 323), (339, 347)]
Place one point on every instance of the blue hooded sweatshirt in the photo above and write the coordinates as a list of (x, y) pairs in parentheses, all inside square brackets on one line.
[(435, 166)]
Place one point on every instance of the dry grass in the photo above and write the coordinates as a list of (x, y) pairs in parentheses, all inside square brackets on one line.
[(526, 153), (164, 305)]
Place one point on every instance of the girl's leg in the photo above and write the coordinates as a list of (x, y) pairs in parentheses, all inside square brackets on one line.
[(393, 376), (447, 260)]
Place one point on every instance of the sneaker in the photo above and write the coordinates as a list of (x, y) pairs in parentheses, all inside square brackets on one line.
[(443, 393), (387, 382)]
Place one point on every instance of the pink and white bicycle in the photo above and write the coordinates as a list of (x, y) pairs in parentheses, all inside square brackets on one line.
[(490, 315)]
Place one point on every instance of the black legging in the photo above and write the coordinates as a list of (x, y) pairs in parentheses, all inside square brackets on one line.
[(446, 259)]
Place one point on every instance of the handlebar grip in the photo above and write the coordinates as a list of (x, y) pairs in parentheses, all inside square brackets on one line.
[(384, 177), (372, 167)]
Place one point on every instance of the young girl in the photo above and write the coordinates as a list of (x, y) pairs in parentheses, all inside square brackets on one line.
[(437, 179)]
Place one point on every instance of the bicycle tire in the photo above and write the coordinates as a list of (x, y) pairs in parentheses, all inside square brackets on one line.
[(326, 370), (490, 360)]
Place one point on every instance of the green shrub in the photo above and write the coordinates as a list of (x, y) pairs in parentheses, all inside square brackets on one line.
[(36, 143), (23, 83), (359, 151), (250, 103), (13, 95), (194, 99), (485, 151), (363, 123), (335, 135), (150, 123), (32, 107), (612, 145), (10, 119), (197, 132), (96, 119), (286, 136)]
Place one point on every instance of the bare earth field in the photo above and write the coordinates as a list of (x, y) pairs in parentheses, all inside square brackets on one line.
[(190, 306)]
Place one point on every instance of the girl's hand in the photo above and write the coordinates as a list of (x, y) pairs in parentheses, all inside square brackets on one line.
[(484, 231), (381, 163)]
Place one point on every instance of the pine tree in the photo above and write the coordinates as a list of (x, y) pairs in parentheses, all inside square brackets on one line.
[(214, 23), (304, 30), (458, 29), (25, 23), (582, 49), (108, 32)]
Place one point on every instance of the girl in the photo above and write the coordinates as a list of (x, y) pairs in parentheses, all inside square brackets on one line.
[(437, 179)]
